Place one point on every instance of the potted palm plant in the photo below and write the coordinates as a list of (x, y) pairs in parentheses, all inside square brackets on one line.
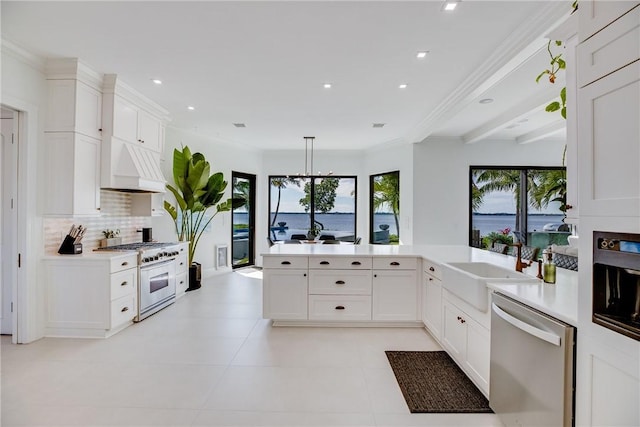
[(196, 190)]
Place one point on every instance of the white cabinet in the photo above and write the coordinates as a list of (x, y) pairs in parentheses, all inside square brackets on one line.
[(595, 15), (339, 288), (609, 146), (90, 297), (285, 288), (72, 174), (182, 269), (127, 121), (396, 290), (614, 47), (72, 140), (147, 204), (432, 299), (468, 343), (74, 106)]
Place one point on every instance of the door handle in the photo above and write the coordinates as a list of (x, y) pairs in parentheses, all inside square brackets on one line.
[(525, 327)]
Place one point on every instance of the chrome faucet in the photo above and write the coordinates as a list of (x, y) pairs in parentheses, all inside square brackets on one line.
[(519, 263)]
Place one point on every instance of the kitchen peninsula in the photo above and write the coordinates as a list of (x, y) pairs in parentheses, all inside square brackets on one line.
[(383, 285)]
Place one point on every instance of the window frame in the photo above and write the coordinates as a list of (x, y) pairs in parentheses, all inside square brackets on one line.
[(371, 208), (524, 195)]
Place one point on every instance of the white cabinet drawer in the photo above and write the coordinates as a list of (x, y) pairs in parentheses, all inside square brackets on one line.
[(288, 262), (123, 310), (611, 49), (123, 283), (124, 263), (395, 263), (182, 283), (339, 307), (342, 282), (433, 269), (342, 263), (181, 265), (597, 14)]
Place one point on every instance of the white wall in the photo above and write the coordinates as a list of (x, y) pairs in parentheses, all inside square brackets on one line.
[(24, 89), (223, 158), (441, 181)]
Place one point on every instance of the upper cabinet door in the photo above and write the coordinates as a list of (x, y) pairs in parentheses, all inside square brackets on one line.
[(609, 144), (149, 130), (595, 15), (88, 111), (125, 120), (616, 46)]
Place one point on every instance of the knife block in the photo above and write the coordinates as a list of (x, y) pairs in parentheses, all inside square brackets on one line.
[(68, 247)]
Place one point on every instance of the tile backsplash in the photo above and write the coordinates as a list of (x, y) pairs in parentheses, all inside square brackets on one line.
[(115, 208)]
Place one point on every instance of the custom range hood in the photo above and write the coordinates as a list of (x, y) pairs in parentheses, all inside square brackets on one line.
[(132, 139), (131, 168)]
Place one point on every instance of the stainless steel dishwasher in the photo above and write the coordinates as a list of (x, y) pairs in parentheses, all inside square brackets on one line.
[(532, 377)]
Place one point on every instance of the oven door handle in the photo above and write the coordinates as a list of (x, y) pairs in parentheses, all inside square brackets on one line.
[(145, 267), (525, 327)]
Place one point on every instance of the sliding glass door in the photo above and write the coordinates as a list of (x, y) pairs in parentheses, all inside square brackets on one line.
[(244, 218)]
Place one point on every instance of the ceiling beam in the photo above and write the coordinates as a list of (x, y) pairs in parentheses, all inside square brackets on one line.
[(506, 58), (542, 132), (523, 109)]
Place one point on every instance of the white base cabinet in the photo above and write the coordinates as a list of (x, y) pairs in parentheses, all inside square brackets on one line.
[(468, 343), (341, 289), (182, 269), (432, 299), (90, 297)]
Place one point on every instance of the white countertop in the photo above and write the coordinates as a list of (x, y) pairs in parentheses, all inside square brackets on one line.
[(559, 300)]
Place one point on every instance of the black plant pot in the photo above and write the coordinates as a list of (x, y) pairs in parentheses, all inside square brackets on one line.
[(195, 276)]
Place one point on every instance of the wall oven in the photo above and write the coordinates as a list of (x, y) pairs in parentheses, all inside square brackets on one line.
[(616, 282)]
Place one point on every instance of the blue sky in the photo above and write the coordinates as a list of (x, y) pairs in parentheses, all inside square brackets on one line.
[(290, 197)]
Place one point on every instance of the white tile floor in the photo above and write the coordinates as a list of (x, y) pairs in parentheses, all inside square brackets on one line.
[(211, 360)]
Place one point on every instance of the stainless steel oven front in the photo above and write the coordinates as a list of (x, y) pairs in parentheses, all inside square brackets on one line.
[(156, 288)]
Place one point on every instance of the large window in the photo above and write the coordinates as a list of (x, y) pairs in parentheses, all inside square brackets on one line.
[(324, 204), (516, 203), (384, 223)]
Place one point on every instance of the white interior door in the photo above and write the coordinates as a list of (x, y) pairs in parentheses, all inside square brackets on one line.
[(8, 217)]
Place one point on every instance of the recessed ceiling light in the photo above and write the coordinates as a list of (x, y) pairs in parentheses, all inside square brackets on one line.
[(240, 125), (403, 86), (422, 54), (450, 5), (157, 81), (191, 108), (486, 101), (327, 86), (378, 125)]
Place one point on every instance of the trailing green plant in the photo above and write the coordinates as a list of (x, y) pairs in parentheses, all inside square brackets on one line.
[(196, 190), (499, 237), (557, 63)]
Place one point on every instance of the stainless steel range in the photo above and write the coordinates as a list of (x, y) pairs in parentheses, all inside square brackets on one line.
[(156, 274)]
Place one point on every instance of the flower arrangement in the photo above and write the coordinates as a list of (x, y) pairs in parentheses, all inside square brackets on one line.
[(110, 234)]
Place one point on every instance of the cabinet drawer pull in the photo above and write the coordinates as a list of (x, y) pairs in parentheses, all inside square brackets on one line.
[(324, 262), (124, 263), (285, 263), (125, 283), (182, 282), (182, 263), (304, 275), (356, 263), (340, 282), (340, 307), (394, 263), (430, 279), (432, 269), (124, 309)]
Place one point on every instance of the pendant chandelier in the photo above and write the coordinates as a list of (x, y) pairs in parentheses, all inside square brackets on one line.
[(308, 157)]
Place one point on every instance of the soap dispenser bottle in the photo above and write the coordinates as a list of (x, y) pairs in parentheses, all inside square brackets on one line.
[(549, 268)]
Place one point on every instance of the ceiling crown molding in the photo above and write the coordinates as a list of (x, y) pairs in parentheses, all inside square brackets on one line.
[(23, 55), (536, 26)]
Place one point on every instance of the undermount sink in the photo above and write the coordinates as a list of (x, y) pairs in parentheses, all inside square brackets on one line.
[(468, 280)]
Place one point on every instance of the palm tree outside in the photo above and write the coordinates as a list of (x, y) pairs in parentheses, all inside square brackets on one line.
[(386, 195), (281, 183)]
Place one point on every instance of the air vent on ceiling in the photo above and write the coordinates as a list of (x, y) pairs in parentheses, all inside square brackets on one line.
[(378, 125), (240, 125)]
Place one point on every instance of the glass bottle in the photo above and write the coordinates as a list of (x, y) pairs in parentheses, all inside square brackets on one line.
[(549, 274)]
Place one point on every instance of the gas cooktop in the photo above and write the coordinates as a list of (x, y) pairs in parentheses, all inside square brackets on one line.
[(137, 246)]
